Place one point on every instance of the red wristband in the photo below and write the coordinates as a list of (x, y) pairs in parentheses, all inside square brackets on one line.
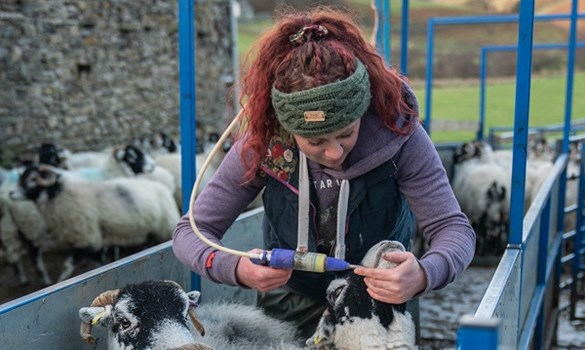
[(209, 260)]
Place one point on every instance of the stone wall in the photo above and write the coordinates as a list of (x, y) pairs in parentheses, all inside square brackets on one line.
[(90, 74)]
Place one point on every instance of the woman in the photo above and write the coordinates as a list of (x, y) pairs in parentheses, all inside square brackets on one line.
[(333, 137)]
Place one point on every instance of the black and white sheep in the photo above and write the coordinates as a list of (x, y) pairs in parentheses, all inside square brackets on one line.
[(122, 161), (22, 230), (482, 185), (161, 315), (88, 216), (355, 321)]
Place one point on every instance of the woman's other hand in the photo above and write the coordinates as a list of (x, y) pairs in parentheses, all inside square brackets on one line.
[(261, 278), (395, 285)]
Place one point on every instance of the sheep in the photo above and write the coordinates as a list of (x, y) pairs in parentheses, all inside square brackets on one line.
[(123, 161), (483, 193), (540, 149), (22, 230), (160, 143), (482, 185), (87, 216), (172, 162), (354, 321), (11, 248), (155, 315)]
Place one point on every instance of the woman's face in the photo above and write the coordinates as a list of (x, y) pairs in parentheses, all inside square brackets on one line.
[(330, 150)]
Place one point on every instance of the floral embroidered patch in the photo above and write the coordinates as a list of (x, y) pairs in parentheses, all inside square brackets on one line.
[(281, 158)]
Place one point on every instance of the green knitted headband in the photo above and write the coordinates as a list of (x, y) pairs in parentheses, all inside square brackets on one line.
[(325, 108)]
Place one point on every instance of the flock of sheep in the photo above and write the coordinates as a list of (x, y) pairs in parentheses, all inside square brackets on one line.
[(90, 204), (161, 315), (482, 186)]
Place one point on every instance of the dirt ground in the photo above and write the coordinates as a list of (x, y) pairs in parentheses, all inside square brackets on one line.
[(11, 289)]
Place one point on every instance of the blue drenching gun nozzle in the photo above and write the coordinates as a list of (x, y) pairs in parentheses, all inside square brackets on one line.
[(290, 259)]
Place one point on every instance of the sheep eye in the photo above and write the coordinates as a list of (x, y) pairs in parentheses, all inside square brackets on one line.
[(337, 292), (125, 323)]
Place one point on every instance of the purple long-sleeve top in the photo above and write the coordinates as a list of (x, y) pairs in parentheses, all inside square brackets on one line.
[(420, 177)]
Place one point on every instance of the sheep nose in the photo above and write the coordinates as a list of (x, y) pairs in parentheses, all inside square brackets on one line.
[(16, 195)]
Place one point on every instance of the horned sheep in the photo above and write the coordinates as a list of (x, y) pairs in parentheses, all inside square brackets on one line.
[(88, 216), (156, 315)]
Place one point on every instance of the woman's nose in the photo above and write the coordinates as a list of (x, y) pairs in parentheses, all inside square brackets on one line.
[(334, 151)]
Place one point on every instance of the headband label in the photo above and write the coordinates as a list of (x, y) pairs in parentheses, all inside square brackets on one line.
[(314, 116)]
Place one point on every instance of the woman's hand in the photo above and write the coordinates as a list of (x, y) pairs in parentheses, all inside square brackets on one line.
[(396, 285), (261, 278)]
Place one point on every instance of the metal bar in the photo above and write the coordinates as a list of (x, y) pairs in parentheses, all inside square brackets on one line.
[(386, 30), (477, 334), (404, 37), (578, 238), (528, 334), (379, 32), (521, 119), (498, 19), (541, 273), (482, 83), (187, 102), (429, 75)]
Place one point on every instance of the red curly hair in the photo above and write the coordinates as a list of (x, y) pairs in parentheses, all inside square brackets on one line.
[(318, 59)]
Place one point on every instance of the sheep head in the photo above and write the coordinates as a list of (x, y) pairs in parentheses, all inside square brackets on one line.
[(151, 314), (95, 313), (348, 301)]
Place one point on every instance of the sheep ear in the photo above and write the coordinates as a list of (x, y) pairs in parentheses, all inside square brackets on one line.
[(194, 296), (119, 153), (323, 336), (88, 314)]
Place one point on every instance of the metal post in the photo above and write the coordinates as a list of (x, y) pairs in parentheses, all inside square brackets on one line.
[(543, 237), (477, 334), (482, 80), (429, 75), (187, 105), (383, 29), (404, 38), (578, 239), (521, 118)]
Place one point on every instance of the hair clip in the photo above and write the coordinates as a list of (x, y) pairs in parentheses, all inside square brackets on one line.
[(300, 35)]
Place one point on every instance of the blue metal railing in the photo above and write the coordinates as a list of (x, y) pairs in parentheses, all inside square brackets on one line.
[(518, 292), (383, 42), (383, 33), (187, 103)]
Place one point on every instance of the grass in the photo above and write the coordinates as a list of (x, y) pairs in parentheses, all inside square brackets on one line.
[(461, 103)]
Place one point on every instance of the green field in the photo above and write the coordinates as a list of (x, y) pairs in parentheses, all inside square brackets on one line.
[(547, 103)]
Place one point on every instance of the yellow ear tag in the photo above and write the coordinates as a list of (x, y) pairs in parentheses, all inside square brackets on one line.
[(97, 318), (316, 339)]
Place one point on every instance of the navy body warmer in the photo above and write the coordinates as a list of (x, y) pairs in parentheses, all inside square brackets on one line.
[(376, 211)]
